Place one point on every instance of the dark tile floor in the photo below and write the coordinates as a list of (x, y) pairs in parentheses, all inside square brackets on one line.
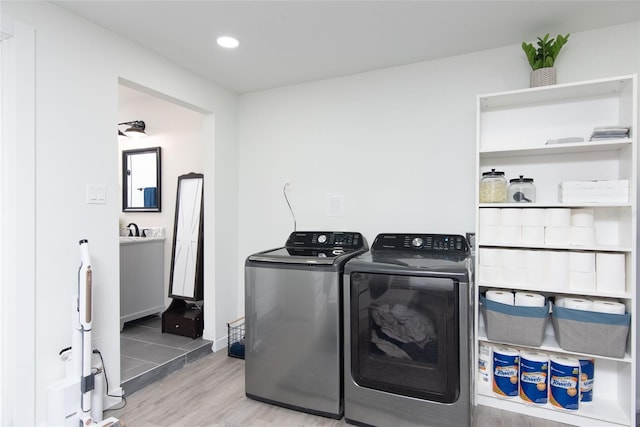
[(147, 355)]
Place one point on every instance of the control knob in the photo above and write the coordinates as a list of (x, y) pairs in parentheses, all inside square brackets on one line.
[(322, 238), (417, 242)]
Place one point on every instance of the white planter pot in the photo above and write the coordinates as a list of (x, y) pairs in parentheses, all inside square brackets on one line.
[(542, 77)]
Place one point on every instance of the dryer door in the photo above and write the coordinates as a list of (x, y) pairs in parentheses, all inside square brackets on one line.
[(405, 335)]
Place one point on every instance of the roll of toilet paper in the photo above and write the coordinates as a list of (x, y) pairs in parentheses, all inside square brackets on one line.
[(582, 217), (535, 259), (490, 274), (582, 261), (582, 236), (558, 217), (612, 263), (489, 233), (557, 260), (503, 297), (512, 258), (513, 276), (577, 303), (535, 278), (489, 216), (556, 235), (533, 217), (557, 280), (528, 299), (607, 306), (582, 281), (610, 283), (510, 234), (511, 216), (490, 256), (532, 235)]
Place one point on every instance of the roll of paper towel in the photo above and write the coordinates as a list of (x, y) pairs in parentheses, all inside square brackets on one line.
[(528, 299), (607, 306), (489, 216), (558, 217), (559, 300), (533, 217), (582, 217), (503, 297), (577, 304)]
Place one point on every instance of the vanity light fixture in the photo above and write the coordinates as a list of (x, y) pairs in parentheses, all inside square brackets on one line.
[(228, 42), (135, 129)]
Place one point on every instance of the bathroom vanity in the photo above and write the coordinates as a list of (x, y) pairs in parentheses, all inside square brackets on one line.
[(141, 277)]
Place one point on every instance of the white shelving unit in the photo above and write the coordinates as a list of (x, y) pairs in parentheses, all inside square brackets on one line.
[(512, 131)]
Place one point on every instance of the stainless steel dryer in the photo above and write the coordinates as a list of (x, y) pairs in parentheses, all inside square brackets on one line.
[(408, 332), (293, 318)]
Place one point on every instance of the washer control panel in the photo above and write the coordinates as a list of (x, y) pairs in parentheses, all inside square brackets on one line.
[(326, 239), (421, 243)]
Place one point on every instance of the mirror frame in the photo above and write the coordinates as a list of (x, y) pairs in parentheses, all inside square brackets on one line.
[(187, 259), (125, 180)]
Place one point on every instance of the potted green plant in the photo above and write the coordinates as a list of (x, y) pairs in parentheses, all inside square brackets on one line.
[(543, 58)]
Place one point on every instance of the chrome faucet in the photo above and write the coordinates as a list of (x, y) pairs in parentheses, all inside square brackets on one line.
[(137, 232)]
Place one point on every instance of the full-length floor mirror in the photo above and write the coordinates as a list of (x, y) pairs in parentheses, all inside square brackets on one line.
[(186, 280)]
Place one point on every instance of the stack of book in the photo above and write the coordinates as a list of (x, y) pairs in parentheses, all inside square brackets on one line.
[(610, 132)]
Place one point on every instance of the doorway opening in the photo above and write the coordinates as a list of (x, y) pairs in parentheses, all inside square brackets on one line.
[(147, 354)]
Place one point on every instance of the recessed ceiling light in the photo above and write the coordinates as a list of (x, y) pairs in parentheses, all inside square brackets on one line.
[(228, 42)]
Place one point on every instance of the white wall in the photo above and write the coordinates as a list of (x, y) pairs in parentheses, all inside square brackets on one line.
[(398, 143), (77, 69), (179, 132)]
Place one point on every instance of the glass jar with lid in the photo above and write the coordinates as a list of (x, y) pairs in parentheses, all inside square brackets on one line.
[(493, 187), (521, 190)]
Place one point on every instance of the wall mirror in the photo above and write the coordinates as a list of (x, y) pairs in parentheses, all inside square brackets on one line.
[(141, 180), (187, 261)]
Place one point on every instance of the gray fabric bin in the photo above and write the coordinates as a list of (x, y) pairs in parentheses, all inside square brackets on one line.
[(515, 324), (602, 334)]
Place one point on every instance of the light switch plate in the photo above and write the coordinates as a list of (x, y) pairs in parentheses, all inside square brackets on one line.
[(96, 194)]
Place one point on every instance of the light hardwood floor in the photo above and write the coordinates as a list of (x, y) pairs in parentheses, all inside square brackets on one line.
[(210, 392)]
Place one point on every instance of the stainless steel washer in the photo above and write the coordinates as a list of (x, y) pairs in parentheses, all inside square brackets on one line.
[(408, 332), (293, 311)]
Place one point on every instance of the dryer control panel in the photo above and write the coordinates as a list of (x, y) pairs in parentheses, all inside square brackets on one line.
[(422, 243), (326, 239)]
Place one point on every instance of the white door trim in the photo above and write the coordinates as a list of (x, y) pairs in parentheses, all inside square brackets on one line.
[(17, 224)]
